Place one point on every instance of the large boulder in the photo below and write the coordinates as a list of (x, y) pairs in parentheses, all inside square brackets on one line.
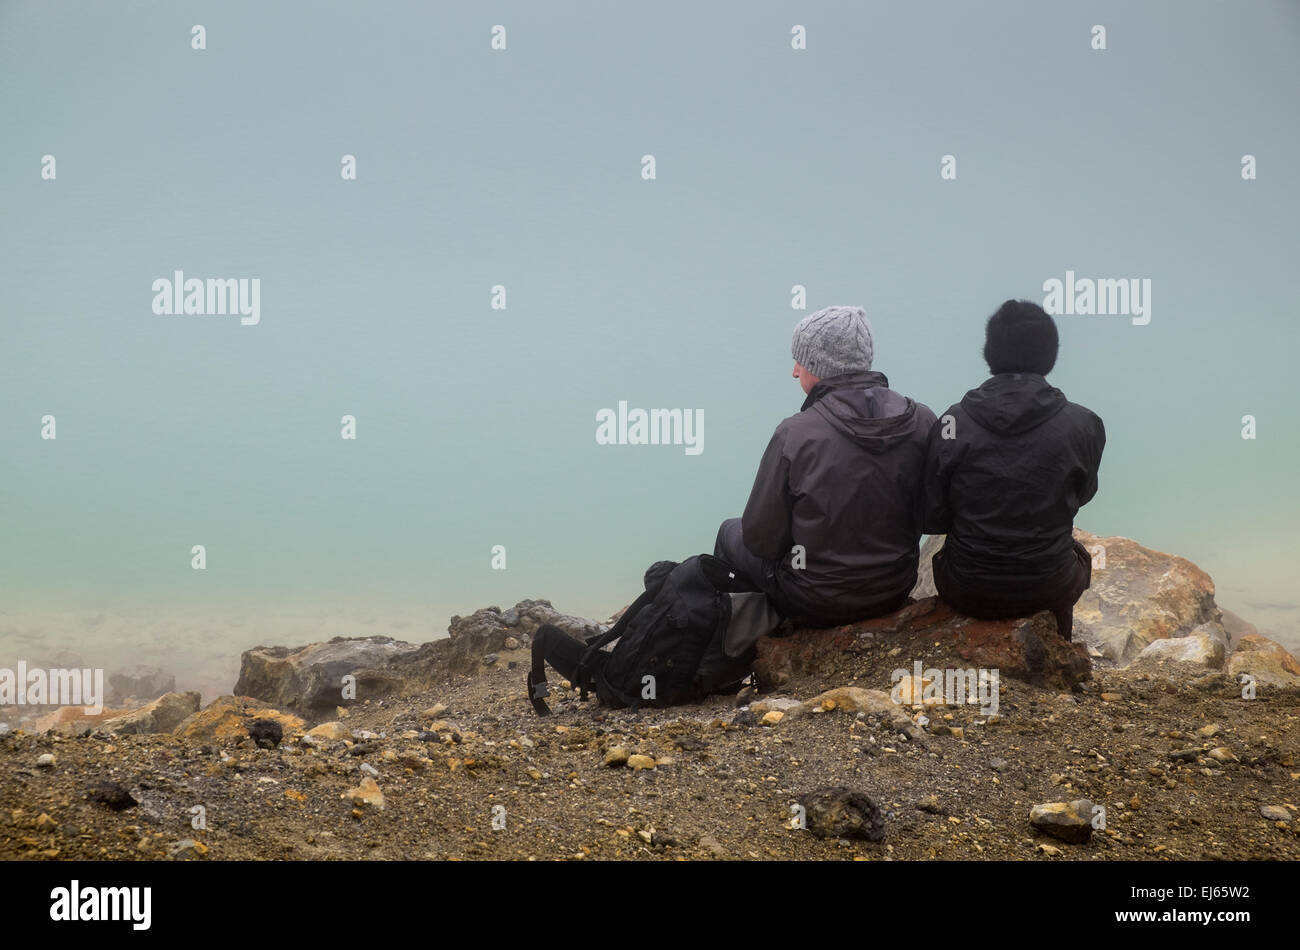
[(1137, 596), (162, 715), (1266, 660), (311, 678), (1201, 651), (485, 631)]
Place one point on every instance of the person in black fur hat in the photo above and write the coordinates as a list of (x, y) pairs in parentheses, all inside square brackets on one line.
[(1007, 469)]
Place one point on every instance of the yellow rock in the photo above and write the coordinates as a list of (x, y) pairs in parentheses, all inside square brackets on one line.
[(365, 794), (772, 718), (638, 762), (227, 717), (333, 731), (616, 756)]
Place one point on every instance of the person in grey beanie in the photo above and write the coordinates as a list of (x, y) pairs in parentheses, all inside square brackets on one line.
[(831, 531)]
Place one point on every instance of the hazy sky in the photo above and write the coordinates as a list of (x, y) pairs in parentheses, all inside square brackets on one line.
[(523, 168)]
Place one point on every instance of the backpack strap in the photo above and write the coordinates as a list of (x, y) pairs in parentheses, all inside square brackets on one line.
[(582, 678)]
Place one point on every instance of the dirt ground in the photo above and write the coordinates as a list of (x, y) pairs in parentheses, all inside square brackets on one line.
[(720, 788)]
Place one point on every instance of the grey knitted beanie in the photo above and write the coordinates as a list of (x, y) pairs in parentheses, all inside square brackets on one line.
[(833, 341)]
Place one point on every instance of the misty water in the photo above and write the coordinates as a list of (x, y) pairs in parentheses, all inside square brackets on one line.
[(523, 170)]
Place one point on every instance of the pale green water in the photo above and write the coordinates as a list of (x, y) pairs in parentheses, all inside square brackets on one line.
[(476, 427)]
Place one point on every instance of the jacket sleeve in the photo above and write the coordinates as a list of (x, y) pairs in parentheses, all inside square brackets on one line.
[(1095, 444), (766, 523), (935, 513)]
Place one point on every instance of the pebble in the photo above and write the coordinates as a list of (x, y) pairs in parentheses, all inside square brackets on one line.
[(46, 761), (1069, 821), (366, 793), (616, 756), (1222, 754), (1275, 812), (370, 770), (638, 762), (434, 711), (772, 718), (930, 803)]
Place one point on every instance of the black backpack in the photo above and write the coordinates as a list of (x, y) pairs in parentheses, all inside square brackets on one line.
[(691, 633)]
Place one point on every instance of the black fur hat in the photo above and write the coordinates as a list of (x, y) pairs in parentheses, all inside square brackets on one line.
[(1021, 338)]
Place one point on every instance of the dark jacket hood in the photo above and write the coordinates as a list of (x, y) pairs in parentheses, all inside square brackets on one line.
[(1011, 403), (864, 408)]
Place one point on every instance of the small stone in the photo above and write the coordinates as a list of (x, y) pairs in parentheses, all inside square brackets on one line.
[(367, 793), (1209, 731), (187, 850), (616, 756), (490, 659), (772, 718), (370, 770), (638, 762), (1275, 812), (534, 775), (1050, 850), (434, 711), (1184, 755), (1069, 821), (1222, 754), (713, 846), (330, 731), (45, 761), (930, 803), (999, 765), (266, 733), (512, 643), (1111, 697), (113, 796), (841, 812)]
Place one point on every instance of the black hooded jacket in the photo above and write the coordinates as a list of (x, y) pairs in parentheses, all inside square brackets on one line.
[(841, 479), (1004, 479)]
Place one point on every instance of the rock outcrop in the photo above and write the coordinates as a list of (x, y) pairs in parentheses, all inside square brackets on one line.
[(311, 678), (1138, 595), (1265, 660), (162, 715), (228, 717), (1026, 648)]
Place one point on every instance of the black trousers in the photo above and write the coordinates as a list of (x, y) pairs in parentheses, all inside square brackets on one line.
[(559, 649), (971, 601)]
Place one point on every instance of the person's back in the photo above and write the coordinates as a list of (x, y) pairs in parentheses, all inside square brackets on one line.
[(1008, 469), (831, 529)]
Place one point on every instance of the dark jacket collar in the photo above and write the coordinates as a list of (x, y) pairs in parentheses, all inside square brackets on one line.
[(865, 379)]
